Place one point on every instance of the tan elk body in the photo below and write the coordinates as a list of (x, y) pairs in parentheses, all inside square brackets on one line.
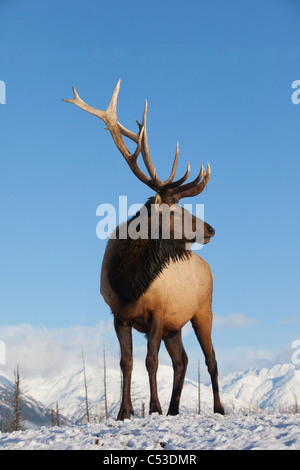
[(157, 284)]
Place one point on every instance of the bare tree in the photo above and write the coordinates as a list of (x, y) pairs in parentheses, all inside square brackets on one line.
[(5, 428), (296, 405), (4, 421), (86, 391), (57, 415), (105, 383), (16, 425), (53, 418), (199, 396)]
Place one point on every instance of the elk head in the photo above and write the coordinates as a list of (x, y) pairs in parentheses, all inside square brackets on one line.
[(168, 192)]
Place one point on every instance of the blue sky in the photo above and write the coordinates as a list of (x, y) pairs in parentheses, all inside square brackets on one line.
[(217, 76)]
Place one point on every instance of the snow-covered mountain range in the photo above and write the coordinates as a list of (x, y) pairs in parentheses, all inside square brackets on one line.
[(273, 390), (33, 413)]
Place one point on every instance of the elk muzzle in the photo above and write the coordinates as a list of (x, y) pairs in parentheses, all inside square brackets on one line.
[(209, 232)]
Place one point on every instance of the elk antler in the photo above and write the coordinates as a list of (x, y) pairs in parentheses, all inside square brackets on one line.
[(176, 189)]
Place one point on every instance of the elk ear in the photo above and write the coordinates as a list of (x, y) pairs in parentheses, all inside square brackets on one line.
[(158, 201)]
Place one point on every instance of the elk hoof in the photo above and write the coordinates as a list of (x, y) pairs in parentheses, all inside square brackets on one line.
[(124, 413), (155, 408), (173, 411), (219, 409)]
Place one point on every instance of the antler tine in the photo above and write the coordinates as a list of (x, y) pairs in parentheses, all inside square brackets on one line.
[(179, 182), (112, 107), (173, 172), (109, 116), (145, 148), (147, 158), (82, 105), (195, 187)]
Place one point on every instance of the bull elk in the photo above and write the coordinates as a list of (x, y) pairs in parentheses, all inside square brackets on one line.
[(156, 284)]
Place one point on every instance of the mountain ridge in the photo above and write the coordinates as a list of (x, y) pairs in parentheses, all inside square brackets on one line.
[(270, 390)]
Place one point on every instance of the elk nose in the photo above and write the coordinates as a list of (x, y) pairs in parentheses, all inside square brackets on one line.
[(210, 230)]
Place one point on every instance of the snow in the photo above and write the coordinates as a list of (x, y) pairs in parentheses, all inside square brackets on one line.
[(183, 432), (275, 389), (262, 412)]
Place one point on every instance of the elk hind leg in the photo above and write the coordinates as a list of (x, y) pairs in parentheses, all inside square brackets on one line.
[(202, 324), (179, 358), (124, 334)]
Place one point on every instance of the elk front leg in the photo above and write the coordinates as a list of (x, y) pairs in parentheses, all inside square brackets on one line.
[(154, 340), (124, 334)]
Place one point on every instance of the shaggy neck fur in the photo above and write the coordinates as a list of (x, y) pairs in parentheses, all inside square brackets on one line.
[(136, 263)]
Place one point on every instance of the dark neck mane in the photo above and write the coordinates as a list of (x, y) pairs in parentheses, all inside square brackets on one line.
[(136, 263)]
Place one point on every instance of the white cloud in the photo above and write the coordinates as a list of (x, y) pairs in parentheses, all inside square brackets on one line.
[(236, 359), (233, 320), (46, 352), (289, 320)]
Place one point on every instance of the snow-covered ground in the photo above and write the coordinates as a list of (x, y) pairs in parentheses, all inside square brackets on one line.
[(182, 432)]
